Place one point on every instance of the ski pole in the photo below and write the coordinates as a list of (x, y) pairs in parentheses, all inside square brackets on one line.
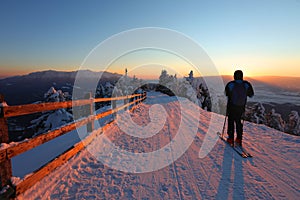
[(224, 126), (226, 115)]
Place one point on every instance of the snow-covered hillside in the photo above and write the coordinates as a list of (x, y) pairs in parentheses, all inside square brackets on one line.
[(272, 173)]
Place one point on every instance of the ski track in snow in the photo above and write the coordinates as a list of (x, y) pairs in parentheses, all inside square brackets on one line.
[(273, 172)]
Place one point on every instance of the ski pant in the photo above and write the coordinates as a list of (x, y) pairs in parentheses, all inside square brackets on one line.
[(234, 117)]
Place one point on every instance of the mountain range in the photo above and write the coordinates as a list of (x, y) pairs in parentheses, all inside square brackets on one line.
[(31, 88)]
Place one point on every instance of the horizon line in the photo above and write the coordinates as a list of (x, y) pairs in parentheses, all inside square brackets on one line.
[(24, 74)]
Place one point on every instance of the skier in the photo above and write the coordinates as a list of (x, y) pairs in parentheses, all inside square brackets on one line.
[(237, 92)]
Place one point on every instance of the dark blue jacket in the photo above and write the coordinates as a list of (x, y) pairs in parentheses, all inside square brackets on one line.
[(229, 90)]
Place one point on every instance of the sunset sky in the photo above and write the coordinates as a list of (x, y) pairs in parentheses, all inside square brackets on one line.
[(261, 37)]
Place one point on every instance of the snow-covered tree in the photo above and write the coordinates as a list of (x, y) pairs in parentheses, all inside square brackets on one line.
[(274, 120), (168, 84), (164, 77), (256, 114), (127, 86), (204, 97), (50, 120), (103, 91), (293, 124), (190, 87), (202, 92), (56, 95)]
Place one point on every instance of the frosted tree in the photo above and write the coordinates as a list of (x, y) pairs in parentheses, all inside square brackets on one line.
[(173, 84), (167, 83), (100, 91), (104, 91), (293, 124), (184, 89), (189, 87), (274, 120), (52, 119), (163, 78), (203, 95), (202, 92), (127, 85), (55, 96), (256, 114)]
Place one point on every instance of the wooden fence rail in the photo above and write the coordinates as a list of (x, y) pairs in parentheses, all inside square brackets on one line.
[(8, 151), (12, 111)]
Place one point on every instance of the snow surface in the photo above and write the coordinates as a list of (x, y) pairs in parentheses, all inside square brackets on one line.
[(44, 153), (273, 172)]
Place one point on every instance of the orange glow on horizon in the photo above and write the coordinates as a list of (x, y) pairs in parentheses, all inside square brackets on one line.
[(147, 76)]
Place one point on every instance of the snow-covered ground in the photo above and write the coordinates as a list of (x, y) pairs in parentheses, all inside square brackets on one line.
[(42, 154), (272, 173)]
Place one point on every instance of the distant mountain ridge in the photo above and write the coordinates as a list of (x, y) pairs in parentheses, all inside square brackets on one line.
[(61, 74), (31, 87), (275, 82), (289, 83)]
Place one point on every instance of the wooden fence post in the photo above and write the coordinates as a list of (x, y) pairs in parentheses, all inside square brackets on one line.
[(125, 102), (129, 101), (113, 106), (5, 166), (91, 126)]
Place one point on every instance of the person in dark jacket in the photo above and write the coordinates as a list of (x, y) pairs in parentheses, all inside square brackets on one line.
[(237, 92)]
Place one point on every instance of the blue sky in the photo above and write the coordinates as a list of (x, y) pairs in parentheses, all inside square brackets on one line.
[(261, 37)]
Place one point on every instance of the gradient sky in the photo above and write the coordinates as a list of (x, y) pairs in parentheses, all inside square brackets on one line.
[(261, 37)]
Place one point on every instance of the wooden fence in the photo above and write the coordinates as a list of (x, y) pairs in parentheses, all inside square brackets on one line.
[(9, 150)]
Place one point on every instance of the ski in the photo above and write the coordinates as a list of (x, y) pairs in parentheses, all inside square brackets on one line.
[(244, 150), (240, 150)]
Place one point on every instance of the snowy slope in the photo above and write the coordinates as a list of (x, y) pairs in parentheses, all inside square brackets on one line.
[(273, 172)]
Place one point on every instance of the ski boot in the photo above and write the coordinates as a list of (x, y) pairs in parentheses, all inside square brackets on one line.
[(238, 141), (230, 141)]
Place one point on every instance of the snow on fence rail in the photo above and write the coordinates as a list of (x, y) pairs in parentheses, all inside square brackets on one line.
[(8, 151)]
